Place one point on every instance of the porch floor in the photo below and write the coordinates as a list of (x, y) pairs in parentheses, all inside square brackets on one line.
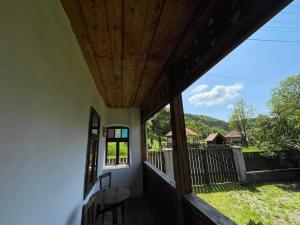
[(137, 212)]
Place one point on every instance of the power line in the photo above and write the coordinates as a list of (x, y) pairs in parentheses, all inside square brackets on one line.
[(291, 13), (246, 79), (266, 29), (288, 22), (270, 40), (288, 28)]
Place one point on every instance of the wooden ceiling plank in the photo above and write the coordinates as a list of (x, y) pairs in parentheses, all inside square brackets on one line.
[(174, 19), (141, 18), (115, 18), (96, 19), (74, 14)]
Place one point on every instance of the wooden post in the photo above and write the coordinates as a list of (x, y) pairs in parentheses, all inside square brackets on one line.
[(143, 141), (180, 155)]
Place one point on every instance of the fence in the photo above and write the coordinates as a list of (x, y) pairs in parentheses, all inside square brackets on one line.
[(257, 161), (211, 164), (208, 164), (112, 161)]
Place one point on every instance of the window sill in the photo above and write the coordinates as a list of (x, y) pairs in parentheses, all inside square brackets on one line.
[(113, 167)]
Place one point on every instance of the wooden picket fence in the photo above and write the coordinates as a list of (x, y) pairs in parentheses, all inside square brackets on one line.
[(257, 161), (211, 164), (208, 164)]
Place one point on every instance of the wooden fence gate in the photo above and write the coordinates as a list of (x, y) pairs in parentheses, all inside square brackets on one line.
[(211, 164)]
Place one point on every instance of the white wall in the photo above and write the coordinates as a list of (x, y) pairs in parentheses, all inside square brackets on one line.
[(45, 95)]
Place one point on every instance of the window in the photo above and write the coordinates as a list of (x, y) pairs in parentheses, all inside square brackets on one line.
[(117, 146), (91, 165)]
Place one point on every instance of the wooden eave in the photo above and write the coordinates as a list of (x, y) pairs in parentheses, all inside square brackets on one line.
[(142, 52)]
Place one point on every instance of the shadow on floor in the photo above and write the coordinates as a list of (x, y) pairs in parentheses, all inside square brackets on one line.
[(226, 187), (137, 212)]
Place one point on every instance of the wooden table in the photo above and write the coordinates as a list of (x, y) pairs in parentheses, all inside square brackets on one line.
[(110, 199)]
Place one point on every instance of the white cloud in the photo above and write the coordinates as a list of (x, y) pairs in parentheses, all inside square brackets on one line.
[(200, 88), (230, 106), (219, 94)]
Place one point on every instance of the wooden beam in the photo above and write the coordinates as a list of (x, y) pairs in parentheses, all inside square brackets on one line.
[(218, 27), (180, 155)]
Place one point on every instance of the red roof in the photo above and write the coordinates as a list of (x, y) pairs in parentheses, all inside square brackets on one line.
[(188, 131)]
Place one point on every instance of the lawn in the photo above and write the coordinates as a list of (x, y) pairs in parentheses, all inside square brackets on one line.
[(270, 204), (252, 148)]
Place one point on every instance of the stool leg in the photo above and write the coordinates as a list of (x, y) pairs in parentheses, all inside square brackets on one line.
[(123, 213), (115, 216), (103, 215)]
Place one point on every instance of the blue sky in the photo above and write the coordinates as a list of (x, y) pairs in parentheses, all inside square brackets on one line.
[(251, 70)]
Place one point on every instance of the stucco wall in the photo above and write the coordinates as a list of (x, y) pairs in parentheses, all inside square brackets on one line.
[(46, 92)]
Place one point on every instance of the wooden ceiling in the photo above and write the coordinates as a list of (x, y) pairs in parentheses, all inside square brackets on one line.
[(126, 43), (131, 46)]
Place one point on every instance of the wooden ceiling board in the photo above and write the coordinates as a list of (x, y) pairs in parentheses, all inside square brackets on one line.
[(144, 32), (75, 16)]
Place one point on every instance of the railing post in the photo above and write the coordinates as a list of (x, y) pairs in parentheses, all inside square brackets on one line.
[(180, 155)]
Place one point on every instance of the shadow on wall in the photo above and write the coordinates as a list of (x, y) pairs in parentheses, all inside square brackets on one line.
[(75, 216)]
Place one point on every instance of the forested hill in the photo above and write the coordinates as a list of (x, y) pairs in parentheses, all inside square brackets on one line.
[(210, 121), (204, 125), (159, 125)]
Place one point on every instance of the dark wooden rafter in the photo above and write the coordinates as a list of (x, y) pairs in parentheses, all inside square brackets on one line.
[(218, 27), (174, 18)]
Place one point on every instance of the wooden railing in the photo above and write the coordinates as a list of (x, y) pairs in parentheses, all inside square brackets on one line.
[(112, 161), (156, 158), (160, 194)]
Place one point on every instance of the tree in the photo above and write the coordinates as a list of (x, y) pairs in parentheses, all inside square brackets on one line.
[(239, 119), (281, 129)]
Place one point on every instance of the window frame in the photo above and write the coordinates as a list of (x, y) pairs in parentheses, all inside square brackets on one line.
[(90, 177), (117, 140)]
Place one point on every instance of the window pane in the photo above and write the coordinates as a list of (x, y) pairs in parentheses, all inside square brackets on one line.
[(117, 133), (123, 153), (124, 133), (111, 133), (111, 153)]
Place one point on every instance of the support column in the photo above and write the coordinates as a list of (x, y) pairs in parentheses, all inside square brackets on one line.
[(143, 141), (180, 155)]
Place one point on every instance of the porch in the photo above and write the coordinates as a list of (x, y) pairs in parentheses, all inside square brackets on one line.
[(71, 71)]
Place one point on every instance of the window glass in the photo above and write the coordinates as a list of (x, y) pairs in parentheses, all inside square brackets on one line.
[(124, 133), (111, 133), (117, 133), (117, 146)]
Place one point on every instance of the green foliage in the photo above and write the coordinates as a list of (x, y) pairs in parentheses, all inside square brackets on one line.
[(160, 124), (281, 130), (240, 119)]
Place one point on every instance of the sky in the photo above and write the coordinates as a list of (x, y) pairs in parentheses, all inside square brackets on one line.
[(251, 70)]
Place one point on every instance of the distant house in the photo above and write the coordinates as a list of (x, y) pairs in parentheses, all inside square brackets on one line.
[(215, 138), (190, 135), (234, 137)]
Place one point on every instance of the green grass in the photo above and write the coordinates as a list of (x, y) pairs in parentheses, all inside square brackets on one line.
[(252, 149), (276, 203)]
